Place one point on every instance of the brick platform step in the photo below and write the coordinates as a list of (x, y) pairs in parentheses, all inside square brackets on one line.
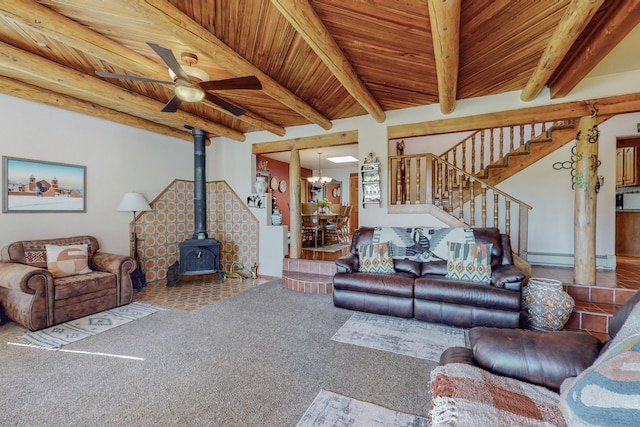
[(311, 283)]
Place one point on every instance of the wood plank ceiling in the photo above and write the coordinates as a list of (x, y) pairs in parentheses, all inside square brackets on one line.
[(316, 60)]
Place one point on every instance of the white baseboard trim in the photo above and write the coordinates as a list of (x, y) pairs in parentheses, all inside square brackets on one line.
[(604, 262)]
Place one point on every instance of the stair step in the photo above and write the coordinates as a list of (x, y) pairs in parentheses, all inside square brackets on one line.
[(311, 283)]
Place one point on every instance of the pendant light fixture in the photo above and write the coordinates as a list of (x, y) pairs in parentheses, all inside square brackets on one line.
[(319, 179)]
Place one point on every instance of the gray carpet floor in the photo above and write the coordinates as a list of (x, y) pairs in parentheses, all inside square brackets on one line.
[(258, 358)]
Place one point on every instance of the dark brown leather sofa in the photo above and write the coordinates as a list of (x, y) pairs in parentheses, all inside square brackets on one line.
[(525, 377), (420, 290)]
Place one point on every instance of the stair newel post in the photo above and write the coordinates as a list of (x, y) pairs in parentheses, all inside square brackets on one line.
[(586, 180), (430, 182)]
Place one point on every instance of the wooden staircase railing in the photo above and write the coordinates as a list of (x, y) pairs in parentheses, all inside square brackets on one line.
[(487, 148), (426, 180)]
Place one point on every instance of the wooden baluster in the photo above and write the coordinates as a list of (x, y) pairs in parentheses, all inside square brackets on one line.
[(507, 216), (418, 199), (438, 168), (511, 141), (543, 132), (398, 182), (464, 155), (450, 188), (460, 196), (472, 204), (522, 141), (492, 148), (501, 154), (407, 181), (495, 209), (473, 155), (484, 206), (482, 150)]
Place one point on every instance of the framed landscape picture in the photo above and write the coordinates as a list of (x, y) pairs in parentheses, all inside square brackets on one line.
[(39, 186)]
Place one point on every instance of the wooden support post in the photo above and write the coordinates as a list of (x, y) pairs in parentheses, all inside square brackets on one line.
[(295, 226), (586, 179)]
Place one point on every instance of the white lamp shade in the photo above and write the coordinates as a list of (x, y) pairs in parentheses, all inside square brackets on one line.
[(133, 202)]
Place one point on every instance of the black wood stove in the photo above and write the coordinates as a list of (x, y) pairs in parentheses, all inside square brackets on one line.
[(199, 255)]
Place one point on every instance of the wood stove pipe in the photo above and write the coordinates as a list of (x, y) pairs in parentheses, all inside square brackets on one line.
[(199, 183)]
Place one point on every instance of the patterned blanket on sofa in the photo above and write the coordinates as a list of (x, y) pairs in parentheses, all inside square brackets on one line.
[(422, 243), (465, 395)]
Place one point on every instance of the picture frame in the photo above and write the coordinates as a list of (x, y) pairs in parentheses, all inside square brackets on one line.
[(36, 186)]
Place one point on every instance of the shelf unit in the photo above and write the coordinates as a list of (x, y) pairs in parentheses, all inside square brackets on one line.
[(370, 184)]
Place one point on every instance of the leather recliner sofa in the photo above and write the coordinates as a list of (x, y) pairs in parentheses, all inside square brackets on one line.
[(542, 378), (31, 296), (422, 291)]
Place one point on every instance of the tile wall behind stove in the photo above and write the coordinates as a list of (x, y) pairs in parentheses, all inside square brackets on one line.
[(171, 221)]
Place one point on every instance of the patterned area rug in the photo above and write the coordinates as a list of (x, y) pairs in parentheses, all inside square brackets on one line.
[(410, 337), (57, 336), (331, 409)]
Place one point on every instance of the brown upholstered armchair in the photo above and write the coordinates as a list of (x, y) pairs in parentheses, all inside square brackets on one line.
[(31, 296)]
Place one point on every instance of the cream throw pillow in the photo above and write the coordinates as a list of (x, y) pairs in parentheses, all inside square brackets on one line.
[(68, 260)]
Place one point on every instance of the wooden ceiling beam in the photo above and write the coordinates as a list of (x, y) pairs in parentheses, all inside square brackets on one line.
[(608, 106), (575, 19), (444, 16), (621, 17), (37, 94), (304, 19), (305, 143), (77, 36), (26, 67), (174, 22)]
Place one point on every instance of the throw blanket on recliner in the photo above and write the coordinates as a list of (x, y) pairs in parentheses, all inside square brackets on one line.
[(422, 243)]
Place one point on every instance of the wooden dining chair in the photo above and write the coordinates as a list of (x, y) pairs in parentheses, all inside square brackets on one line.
[(311, 229)]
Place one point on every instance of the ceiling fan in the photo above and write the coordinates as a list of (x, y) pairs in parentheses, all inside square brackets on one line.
[(186, 84)]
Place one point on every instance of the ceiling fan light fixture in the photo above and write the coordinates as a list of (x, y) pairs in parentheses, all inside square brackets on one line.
[(188, 93), (195, 73)]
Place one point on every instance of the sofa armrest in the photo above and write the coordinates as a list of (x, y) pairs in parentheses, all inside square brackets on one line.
[(542, 358), (457, 355), (508, 277), (24, 278), (113, 263), (348, 263)]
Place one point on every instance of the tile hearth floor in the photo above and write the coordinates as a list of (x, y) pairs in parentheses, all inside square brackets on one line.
[(195, 292)]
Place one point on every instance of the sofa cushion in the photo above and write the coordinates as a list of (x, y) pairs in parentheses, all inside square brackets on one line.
[(408, 266), (468, 261), (67, 260), (375, 258), (608, 393), (396, 285), (540, 358), (73, 286)]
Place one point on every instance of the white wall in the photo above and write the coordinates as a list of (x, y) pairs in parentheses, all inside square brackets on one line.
[(118, 159)]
